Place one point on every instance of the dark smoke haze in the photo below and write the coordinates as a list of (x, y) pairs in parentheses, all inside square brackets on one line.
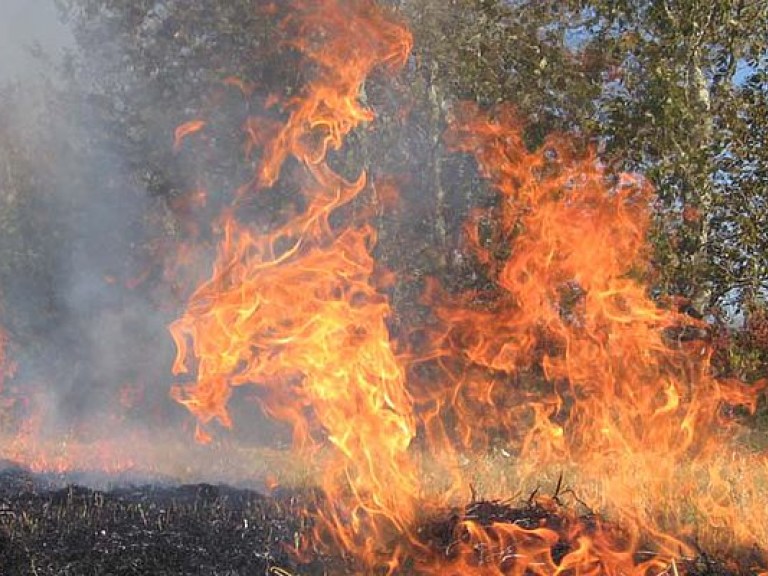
[(88, 324), (76, 334)]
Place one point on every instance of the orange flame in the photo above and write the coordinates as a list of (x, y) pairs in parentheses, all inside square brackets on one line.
[(571, 304), (184, 130), (31, 446), (588, 374), (246, 88), (569, 362), (295, 311)]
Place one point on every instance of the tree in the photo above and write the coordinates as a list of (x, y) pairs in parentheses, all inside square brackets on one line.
[(682, 103), (675, 90)]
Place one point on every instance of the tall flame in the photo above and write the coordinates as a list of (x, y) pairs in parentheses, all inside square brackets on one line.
[(580, 370), (624, 374), (295, 312), (568, 362)]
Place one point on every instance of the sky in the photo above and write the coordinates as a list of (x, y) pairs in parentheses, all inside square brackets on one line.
[(25, 24)]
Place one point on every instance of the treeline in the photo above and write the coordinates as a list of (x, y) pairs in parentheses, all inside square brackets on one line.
[(676, 90)]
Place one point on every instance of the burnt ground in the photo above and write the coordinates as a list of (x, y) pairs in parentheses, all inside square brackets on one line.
[(156, 529), (49, 527)]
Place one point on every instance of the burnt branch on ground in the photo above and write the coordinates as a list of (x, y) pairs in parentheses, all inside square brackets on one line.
[(444, 536)]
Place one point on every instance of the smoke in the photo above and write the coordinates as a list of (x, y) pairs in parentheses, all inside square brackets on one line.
[(29, 30), (95, 207), (87, 335), (106, 203)]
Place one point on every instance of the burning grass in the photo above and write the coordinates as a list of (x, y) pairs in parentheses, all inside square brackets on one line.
[(139, 455), (556, 531), (50, 527), (565, 358)]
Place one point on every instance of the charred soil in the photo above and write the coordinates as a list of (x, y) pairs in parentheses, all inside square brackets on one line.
[(158, 529)]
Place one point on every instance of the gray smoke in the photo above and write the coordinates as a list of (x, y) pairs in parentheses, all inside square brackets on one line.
[(92, 350), (84, 204), (29, 29)]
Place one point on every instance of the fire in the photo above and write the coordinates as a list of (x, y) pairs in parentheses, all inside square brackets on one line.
[(576, 368), (295, 311), (568, 363), (624, 375), (28, 441), (184, 130)]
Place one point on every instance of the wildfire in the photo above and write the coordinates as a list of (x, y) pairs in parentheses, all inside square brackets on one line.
[(581, 371), (568, 362), (186, 129), (295, 311)]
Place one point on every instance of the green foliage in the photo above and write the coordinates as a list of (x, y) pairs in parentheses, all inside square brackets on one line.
[(685, 104), (675, 89), (26, 234)]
